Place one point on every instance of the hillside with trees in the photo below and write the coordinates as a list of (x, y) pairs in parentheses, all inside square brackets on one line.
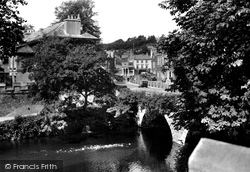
[(137, 44)]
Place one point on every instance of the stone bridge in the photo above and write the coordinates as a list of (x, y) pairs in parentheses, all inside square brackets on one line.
[(179, 136)]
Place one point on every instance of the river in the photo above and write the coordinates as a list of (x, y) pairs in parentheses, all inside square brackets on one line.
[(146, 151)]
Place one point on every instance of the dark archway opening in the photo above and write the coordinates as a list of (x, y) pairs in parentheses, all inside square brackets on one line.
[(157, 135)]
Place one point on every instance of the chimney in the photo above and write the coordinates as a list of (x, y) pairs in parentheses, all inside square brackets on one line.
[(72, 25)]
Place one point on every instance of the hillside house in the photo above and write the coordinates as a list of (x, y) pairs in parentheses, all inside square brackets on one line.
[(11, 76)]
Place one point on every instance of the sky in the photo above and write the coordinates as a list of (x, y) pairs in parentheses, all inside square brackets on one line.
[(117, 19)]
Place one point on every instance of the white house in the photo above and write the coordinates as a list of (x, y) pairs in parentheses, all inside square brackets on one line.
[(142, 63)]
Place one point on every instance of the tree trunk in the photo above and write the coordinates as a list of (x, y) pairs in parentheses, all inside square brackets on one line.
[(85, 100)]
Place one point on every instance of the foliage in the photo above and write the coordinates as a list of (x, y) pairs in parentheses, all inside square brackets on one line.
[(155, 104), (95, 117), (177, 6), (119, 78), (60, 66), (148, 76), (210, 54), (128, 100), (181, 164), (30, 127), (83, 8), (88, 77), (10, 26), (137, 44), (46, 67)]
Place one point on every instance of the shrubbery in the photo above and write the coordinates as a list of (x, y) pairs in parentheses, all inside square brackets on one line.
[(31, 127), (156, 104)]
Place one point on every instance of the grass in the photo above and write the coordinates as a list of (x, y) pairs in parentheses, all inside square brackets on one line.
[(10, 104), (26, 110)]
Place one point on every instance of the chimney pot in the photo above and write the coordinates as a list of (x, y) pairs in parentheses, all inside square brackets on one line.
[(72, 25)]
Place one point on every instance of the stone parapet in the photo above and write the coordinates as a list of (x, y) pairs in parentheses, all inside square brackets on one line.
[(216, 156)]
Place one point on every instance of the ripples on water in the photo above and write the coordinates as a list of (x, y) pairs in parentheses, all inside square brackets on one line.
[(146, 152), (94, 147)]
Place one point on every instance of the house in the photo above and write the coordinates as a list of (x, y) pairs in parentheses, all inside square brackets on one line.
[(127, 67), (158, 61), (11, 76), (142, 63)]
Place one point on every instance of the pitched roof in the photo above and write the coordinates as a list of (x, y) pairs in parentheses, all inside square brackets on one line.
[(88, 36), (24, 49), (142, 57), (55, 30)]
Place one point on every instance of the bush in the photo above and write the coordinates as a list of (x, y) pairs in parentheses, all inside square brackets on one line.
[(181, 164), (31, 127)]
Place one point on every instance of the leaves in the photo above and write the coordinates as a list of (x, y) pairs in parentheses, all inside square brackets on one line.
[(61, 66), (10, 27), (210, 56), (83, 8)]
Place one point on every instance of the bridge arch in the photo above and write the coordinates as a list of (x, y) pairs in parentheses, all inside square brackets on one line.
[(179, 136)]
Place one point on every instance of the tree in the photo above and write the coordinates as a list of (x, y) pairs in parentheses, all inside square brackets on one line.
[(45, 67), (211, 61), (139, 44), (59, 66), (87, 76), (10, 26), (84, 8)]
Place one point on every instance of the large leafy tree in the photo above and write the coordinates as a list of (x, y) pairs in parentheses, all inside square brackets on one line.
[(10, 26), (87, 76), (59, 66), (84, 8), (45, 67), (211, 52)]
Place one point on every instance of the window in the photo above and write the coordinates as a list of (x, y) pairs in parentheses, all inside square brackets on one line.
[(146, 66), (5, 61), (1, 77), (137, 61), (146, 61), (14, 79)]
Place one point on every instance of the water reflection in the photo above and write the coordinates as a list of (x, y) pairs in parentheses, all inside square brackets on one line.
[(145, 152), (158, 142), (154, 145)]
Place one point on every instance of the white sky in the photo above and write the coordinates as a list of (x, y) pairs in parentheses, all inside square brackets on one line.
[(117, 19)]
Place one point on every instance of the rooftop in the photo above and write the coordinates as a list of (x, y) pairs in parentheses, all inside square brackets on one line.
[(62, 29), (142, 57)]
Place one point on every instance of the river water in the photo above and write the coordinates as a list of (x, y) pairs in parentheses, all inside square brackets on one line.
[(148, 150)]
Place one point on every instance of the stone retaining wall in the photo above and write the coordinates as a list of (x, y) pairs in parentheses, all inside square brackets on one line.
[(157, 84)]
